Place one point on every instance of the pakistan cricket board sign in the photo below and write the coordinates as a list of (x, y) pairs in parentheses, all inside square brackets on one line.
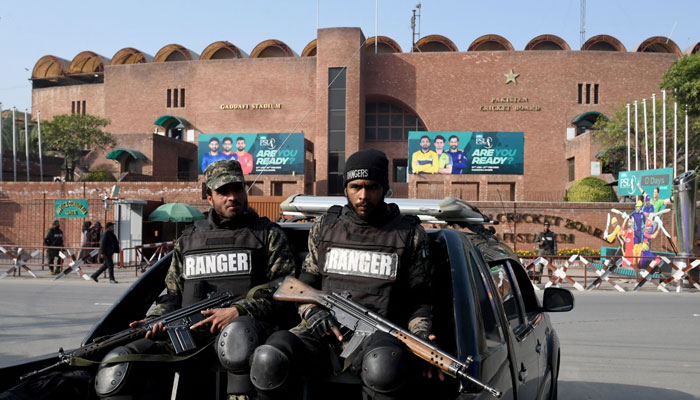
[(474, 152), (71, 208)]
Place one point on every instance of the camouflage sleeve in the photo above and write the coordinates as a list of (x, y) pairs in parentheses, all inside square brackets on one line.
[(174, 283), (310, 271), (280, 264), (418, 280)]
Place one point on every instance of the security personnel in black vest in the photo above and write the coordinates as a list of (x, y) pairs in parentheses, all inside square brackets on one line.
[(54, 237), (396, 286), (547, 246), (249, 251)]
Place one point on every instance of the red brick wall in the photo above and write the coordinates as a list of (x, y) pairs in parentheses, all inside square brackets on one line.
[(446, 90)]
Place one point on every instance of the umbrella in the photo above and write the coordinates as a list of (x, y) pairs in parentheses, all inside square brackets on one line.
[(176, 212)]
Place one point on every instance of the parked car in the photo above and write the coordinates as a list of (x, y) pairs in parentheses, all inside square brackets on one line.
[(484, 306)]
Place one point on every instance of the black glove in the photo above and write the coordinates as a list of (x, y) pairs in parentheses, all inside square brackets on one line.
[(422, 334), (319, 320)]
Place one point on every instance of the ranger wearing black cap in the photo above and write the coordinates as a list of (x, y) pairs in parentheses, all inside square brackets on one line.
[(366, 248), (234, 250)]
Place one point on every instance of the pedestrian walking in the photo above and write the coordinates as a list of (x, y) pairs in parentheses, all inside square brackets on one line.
[(108, 246), (84, 240), (54, 238)]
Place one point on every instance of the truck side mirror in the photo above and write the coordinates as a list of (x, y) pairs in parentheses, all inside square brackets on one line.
[(557, 300)]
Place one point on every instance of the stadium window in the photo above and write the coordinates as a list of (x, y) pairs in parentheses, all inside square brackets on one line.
[(588, 93), (83, 107), (595, 94), (400, 170), (580, 93), (175, 103), (72, 107), (389, 121), (168, 101), (182, 97), (572, 168)]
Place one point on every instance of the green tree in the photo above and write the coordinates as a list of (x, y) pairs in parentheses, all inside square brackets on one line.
[(684, 77), (99, 175), (590, 189), (74, 135)]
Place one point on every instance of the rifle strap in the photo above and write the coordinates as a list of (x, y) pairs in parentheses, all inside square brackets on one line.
[(163, 358)]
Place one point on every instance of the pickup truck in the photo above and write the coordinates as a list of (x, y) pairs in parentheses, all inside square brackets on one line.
[(485, 306)]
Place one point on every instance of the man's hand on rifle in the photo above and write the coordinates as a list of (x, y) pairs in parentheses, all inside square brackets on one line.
[(218, 318), (322, 322), (430, 370), (156, 332)]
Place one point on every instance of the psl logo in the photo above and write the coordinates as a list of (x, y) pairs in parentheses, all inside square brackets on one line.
[(269, 143), (628, 183), (487, 141)]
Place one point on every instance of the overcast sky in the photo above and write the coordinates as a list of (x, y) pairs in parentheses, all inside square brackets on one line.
[(32, 29)]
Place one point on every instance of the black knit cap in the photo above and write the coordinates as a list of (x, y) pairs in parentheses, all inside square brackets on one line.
[(368, 164)]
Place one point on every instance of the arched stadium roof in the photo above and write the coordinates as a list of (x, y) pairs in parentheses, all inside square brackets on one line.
[(547, 42), (491, 43), (603, 43), (221, 50), (435, 43), (272, 48), (385, 45)]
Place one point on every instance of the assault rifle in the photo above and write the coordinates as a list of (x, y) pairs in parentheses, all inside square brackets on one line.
[(178, 325), (364, 322)]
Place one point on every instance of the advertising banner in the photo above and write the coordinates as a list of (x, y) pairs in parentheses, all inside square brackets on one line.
[(71, 208), (629, 182), (466, 152), (258, 153)]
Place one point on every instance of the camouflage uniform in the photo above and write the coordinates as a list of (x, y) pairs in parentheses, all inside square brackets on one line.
[(419, 275), (280, 263)]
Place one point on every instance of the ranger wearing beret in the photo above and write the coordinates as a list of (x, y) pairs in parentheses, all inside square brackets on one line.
[(235, 250)]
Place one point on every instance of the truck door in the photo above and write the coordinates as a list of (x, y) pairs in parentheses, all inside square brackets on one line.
[(525, 342)]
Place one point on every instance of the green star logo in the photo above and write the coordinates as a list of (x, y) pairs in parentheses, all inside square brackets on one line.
[(511, 77)]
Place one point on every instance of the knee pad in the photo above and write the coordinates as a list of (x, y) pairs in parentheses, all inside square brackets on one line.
[(111, 379), (269, 367), (384, 369), (236, 344), (132, 379)]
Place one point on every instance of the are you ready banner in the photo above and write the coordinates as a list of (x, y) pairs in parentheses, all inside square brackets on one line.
[(258, 153), (466, 152)]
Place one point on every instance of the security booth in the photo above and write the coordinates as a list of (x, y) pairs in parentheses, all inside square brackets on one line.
[(128, 226)]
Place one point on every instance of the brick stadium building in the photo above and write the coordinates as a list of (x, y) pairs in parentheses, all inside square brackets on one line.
[(548, 91)]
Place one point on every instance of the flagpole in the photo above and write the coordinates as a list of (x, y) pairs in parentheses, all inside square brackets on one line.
[(14, 145), (686, 138), (629, 158), (376, 26), (26, 143), (653, 105), (636, 138), (41, 162), (646, 136), (663, 127), (675, 138)]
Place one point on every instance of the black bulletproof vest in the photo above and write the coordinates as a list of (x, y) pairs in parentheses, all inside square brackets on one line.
[(364, 260), (548, 240), (218, 259)]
